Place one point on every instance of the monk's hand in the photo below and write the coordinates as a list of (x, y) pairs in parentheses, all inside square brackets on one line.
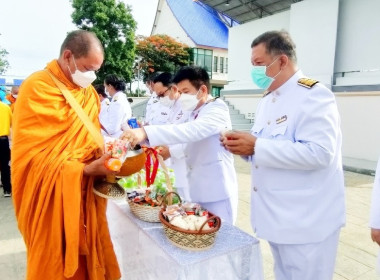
[(375, 235), (98, 167), (239, 142), (134, 136), (164, 152)]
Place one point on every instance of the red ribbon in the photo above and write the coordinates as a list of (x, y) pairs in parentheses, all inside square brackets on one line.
[(151, 157)]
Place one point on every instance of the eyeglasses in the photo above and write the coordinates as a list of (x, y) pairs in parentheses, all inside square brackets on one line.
[(163, 93)]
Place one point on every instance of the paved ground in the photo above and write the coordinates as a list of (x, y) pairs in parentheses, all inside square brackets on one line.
[(356, 254)]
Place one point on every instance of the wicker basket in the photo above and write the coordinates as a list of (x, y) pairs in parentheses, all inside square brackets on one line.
[(145, 212), (191, 239)]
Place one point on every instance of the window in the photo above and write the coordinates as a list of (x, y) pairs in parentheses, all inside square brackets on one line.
[(215, 91), (215, 64), (221, 64), (203, 58), (226, 66)]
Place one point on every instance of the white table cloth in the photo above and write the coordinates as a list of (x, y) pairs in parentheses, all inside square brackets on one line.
[(144, 252)]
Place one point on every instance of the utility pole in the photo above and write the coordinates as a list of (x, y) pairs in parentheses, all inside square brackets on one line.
[(138, 60)]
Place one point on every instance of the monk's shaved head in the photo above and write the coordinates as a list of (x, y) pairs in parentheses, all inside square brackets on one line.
[(80, 42)]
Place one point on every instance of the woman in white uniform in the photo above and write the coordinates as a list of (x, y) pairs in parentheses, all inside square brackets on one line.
[(119, 111)]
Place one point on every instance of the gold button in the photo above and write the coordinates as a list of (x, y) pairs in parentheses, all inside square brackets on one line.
[(268, 122), (256, 166), (255, 189), (273, 100)]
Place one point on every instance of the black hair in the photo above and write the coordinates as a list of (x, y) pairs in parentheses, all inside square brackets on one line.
[(196, 75), (165, 78), (277, 43), (115, 81), (100, 90), (152, 76), (80, 42)]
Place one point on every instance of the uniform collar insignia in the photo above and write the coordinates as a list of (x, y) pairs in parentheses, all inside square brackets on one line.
[(282, 119)]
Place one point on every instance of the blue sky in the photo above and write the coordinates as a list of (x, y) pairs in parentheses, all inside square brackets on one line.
[(32, 31)]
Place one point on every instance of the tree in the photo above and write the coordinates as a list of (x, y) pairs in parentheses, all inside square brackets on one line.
[(161, 53), (4, 65), (115, 27)]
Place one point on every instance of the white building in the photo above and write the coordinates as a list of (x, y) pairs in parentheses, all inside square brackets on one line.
[(201, 28)]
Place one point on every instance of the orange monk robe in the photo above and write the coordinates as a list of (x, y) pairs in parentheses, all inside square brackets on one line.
[(58, 214), (12, 100)]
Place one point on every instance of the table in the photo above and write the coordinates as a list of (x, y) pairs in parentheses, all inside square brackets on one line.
[(144, 252)]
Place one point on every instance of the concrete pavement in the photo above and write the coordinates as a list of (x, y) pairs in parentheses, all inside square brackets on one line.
[(357, 254)]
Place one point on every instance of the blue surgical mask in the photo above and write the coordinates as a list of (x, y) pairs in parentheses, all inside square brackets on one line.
[(260, 78)]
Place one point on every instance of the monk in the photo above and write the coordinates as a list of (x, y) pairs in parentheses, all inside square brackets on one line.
[(54, 164), (13, 96)]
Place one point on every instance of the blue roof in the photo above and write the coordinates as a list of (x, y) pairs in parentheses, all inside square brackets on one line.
[(17, 82), (201, 23)]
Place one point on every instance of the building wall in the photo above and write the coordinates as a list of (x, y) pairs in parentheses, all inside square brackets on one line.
[(358, 43), (217, 75), (166, 23)]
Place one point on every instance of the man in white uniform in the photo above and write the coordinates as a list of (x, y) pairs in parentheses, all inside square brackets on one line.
[(374, 221), (297, 200), (210, 168), (167, 93)]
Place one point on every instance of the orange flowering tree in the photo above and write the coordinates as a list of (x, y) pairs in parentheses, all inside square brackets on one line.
[(161, 53)]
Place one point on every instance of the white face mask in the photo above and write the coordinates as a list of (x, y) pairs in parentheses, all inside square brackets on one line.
[(106, 92), (166, 101), (188, 101), (82, 79), (14, 95)]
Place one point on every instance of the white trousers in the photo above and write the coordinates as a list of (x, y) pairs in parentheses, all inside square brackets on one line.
[(313, 261)]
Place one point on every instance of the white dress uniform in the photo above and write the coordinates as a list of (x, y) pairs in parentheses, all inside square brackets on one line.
[(177, 156), (210, 168), (297, 175), (103, 108), (374, 221), (118, 113)]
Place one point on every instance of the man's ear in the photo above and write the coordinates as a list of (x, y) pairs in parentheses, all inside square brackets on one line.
[(284, 61), (67, 54), (203, 89)]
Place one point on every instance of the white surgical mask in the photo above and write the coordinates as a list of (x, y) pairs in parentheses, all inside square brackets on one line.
[(188, 101), (82, 79), (14, 95), (166, 101)]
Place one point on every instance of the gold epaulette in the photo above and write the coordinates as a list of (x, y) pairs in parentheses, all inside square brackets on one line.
[(307, 83), (212, 99)]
